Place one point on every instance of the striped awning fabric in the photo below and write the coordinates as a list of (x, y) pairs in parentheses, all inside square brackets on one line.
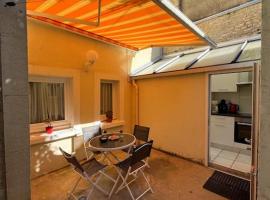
[(134, 24)]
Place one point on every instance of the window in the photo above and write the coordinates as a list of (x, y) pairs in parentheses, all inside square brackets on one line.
[(47, 101), (106, 97)]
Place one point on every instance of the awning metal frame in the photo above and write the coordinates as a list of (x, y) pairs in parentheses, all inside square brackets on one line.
[(180, 17)]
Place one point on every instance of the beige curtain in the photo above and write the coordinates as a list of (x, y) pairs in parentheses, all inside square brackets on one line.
[(47, 101), (106, 98)]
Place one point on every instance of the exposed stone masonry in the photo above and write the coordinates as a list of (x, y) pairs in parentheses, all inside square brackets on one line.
[(242, 23)]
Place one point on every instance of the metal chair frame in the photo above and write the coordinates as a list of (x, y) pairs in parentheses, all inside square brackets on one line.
[(142, 133), (89, 178), (88, 133), (136, 157)]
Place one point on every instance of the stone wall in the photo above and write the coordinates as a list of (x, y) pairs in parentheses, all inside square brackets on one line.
[(2, 143), (14, 132), (241, 23), (197, 10), (264, 136)]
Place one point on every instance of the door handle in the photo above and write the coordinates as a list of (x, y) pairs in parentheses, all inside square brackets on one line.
[(244, 124), (253, 171)]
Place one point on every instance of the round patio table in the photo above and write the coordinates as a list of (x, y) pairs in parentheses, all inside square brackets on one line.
[(124, 142)]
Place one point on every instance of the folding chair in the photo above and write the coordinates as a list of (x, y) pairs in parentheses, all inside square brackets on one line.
[(132, 166), (141, 133), (91, 171), (89, 132)]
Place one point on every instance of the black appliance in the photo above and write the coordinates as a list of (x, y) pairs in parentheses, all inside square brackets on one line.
[(242, 132), (222, 106)]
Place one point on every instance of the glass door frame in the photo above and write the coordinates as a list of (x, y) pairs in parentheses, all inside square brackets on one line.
[(255, 119)]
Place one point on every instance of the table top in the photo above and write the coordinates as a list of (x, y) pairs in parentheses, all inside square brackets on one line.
[(124, 142)]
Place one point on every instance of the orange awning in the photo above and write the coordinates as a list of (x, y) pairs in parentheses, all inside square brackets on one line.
[(134, 24)]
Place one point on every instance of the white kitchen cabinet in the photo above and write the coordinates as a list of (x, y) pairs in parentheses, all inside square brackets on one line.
[(222, 130), (224, 82), (245, 78)]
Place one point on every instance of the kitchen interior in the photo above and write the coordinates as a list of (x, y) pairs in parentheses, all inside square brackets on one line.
[(230, 122)]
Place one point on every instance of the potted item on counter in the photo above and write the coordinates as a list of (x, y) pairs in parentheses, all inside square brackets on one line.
[(49, 128), (233, 108), (109, 116)]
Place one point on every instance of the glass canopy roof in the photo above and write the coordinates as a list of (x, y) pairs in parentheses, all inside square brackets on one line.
[(151, 69), (219, 56), (181, 63), (249, 50)]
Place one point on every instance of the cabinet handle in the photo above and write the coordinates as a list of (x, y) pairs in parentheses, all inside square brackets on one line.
[(220, 125), (223, 90), (245, 124), (220, 117)]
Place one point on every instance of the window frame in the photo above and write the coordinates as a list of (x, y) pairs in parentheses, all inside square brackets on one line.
[(59, 124), (115, 99), (113, 94), (118, 96)]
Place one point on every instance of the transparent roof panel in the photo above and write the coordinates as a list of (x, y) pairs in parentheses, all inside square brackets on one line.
[(151, 69), (182, 62), (219, 56), (251, 52)]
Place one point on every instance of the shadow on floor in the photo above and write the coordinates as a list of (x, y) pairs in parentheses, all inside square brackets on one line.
[(172, 178)]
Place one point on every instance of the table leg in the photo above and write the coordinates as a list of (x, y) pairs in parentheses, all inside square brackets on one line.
[(129, 150), (106, 157), (115, 157)]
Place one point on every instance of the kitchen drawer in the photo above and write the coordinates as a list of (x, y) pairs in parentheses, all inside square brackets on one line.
[(222, 120), (222, 134), (222, 130)]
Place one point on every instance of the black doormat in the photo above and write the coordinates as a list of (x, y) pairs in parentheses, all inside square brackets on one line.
[(228, 186)]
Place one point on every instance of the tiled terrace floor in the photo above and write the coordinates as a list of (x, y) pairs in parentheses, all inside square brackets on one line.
[(231, 159), (172, 178)]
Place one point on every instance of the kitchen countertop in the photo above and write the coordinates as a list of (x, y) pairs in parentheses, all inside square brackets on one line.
[(242, 115)]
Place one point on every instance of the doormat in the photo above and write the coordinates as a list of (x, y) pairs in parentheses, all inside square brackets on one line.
[(228, 186)]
